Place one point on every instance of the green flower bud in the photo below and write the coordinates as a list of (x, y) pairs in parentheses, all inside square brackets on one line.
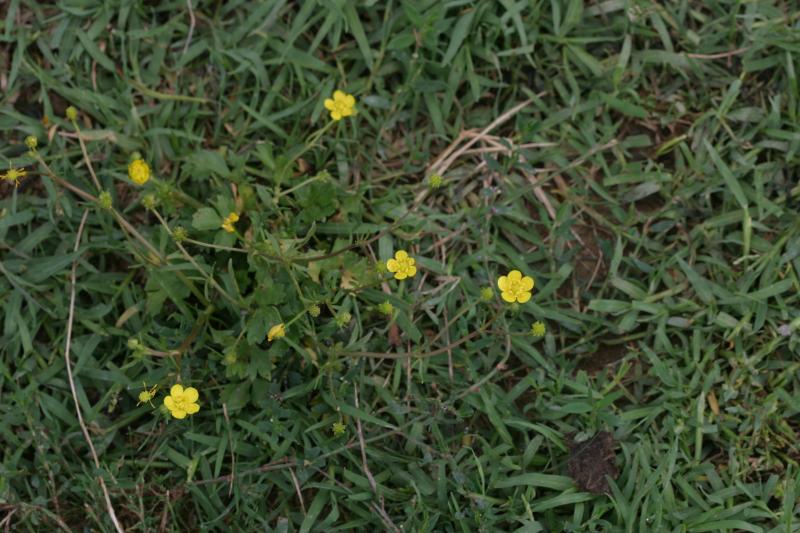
[(149, 201), (104, 200), (180, 234), (342, 319)]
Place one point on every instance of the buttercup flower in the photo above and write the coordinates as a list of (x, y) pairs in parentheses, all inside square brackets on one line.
[(402, 266), (146, 396), (139, 171), (14, 174), (182, 402), (515, 288), (229, 221), (537, 329), (341, 105), (276, 332)]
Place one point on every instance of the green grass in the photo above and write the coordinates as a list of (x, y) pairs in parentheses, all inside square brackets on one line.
[(650, 185)]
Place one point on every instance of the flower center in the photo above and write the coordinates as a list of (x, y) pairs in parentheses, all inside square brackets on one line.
[(515, 286), (340, 106), (181, 404)]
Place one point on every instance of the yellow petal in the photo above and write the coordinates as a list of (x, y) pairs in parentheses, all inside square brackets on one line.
[(169, 402), (515, 275), (190, 394), (276, 332), (336, 115), (192, 408), (392, 266), (412, 261), (508, 296), (401, 255), (350, 100), (178, 413), (329, 104), (526, 284), (502, 283), (401, 275), (523, 297), (338, 95), (411, 271), (176, 390)]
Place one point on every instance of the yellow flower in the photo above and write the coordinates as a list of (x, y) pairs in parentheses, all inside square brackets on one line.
[(146, 396), (402, 266), (341, 105), (276, 332), (537, 329), (515, 288), (338, 429), (227, 224), (139, 171), (182, 402), (14, 174)]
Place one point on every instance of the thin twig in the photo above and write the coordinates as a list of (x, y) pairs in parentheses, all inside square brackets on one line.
[(6, 523), (86, 156), (381, 510), (164, 515), (230, 445), (440, 167), (297, 489), (70, 319), (719, 55), (191, 27)]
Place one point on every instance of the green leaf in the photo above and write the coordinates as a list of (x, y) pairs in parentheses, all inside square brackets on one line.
[(206, 218), (236, 395), (318, 201), (257, 326), (537, 480), (726, 174), (206, 162), (459, 33)]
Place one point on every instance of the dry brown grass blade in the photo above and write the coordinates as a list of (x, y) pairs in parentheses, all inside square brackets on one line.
[(109, 506)]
